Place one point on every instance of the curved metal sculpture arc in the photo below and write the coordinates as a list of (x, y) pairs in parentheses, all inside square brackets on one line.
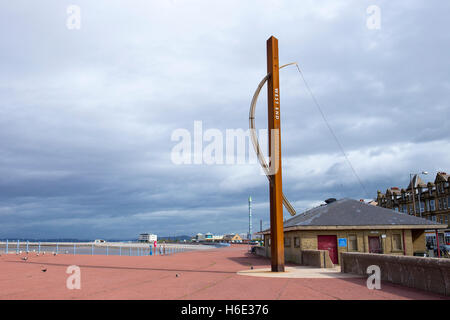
[(255, 141)]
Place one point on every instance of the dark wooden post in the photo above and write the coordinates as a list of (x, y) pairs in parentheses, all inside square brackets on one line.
[(276, 195)]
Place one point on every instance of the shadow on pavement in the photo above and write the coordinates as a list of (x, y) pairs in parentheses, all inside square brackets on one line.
[(122, 268)]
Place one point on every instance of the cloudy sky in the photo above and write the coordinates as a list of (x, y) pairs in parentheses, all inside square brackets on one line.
[(87, 115)]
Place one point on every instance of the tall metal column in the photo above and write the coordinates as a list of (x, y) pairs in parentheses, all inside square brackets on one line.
[(276, 195), (249, 237)]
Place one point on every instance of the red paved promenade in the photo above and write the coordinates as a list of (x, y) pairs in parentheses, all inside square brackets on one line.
[(208, 274)]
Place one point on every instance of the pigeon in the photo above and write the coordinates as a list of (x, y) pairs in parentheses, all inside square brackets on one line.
[(43, 269), (25, 258), (177, 275), (251, 268)]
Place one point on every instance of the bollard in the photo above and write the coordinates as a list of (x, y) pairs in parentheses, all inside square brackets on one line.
[(130, 251), (27, 245), (120, 250), (106, 249), (6, 246), (74, 249), (92, 249), (17, 250), (39, 250)]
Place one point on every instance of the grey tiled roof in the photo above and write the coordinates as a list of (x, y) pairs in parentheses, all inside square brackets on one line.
[(349, 212)]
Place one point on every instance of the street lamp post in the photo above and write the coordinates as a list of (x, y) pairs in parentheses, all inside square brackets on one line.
[(414, 193)]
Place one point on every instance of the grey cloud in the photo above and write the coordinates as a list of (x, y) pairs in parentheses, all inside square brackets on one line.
[(86, 116)]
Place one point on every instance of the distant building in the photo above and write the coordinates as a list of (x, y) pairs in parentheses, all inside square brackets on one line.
[(99, 241), (233, 238), (147, 237), (208, 236), (199, 237), (431, 201)]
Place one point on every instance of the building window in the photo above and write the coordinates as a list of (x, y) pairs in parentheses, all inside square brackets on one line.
[(268, 242), (445, 203), (352, 243), (287, 241), (297, 242), (433, 205), (441, 219), (405, 208), (433, 218), (397, 242), (446, 219), (422, 206), (396, 209), (440, 204)]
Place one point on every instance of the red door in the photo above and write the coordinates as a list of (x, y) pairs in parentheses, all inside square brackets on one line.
[(374, 245), (329, 243)]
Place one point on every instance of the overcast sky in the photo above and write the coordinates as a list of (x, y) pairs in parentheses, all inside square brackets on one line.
[(86, 115)]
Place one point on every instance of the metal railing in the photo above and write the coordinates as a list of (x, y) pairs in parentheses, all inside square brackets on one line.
[(85, 248)]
